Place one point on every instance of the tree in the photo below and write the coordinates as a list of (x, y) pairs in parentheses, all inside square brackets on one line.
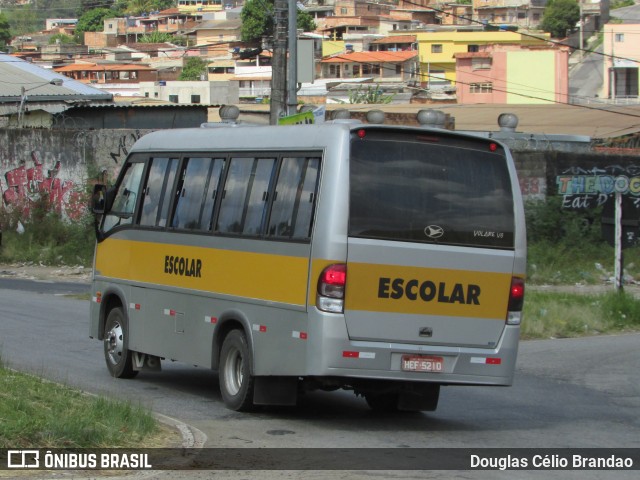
[(5, 31), (560, 17), (138, 7), (257, 21), (61, 38), (193, 69), (92, 21), (156, 37), (23, 20)]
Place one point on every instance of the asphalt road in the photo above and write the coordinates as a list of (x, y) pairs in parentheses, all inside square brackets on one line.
[(571, 393)]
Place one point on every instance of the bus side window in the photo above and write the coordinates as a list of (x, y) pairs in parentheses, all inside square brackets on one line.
[(157, 192), (295, 196), (244, 202), (197, 196), (307, 200), (256, 209), (126, 196)]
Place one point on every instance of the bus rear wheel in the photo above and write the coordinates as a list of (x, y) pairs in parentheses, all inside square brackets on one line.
[(116, 346), (236, 381)]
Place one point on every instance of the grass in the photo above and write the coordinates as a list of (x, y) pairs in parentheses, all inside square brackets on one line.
[(36, 413), (561, 315)]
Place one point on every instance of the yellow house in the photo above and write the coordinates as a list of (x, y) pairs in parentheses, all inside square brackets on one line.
[(437, 50)]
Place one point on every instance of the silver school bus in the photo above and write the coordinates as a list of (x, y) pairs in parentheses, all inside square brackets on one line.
[(385, 260)]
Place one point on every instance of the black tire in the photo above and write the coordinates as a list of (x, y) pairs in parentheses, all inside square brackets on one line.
[(116, 345), (382, 402), (236, 381)]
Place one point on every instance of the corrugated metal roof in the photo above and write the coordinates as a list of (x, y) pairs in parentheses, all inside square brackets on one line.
[(16, 74), (396, 39)]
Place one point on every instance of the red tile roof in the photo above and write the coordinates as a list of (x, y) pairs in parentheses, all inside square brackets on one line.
[(94, 67), (371, 57)]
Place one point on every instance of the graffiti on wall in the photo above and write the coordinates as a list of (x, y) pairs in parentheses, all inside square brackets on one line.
[(21, 186), (585, 189), (125, 142), (532, 187)]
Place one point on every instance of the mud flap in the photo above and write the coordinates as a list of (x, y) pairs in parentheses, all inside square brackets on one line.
[(424, 399), (275, 390)]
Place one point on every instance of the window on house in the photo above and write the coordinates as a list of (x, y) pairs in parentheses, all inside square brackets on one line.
[(436, 48), (485, 87), (195, 98), (356, 70), (480, 63), (398, 69), (619, 37), (343, 11), (473, 48), (173, 98)]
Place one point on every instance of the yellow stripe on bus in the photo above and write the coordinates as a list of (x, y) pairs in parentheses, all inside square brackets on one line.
[(427, 291), (274, 278)]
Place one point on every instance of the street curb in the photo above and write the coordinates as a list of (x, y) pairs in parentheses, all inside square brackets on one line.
[(191, 436)]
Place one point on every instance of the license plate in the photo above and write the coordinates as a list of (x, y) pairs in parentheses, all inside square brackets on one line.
[(421, 363)]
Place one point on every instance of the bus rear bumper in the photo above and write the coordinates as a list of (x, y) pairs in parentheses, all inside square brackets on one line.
[(449, 365)]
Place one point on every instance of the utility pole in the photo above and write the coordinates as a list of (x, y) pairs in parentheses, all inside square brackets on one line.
[(279, 63), (292, 64)]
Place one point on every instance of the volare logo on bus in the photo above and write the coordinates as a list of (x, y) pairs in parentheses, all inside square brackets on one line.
[(428, 291), (183, 266)]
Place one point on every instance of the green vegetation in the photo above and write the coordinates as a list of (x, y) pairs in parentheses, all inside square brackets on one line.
[(92, 21), (370, 94), (156, 37), (193, 69), (621, 3), (558, 315), (5, 31), (37, 413), (560, 17), (47, 237), (257, 21), (566, 247), (61, 38)]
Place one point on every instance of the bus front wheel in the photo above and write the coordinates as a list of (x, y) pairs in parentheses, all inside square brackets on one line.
[(236, 381), (116, 346)]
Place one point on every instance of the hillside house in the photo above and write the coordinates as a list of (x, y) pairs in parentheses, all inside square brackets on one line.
[(513, 74)]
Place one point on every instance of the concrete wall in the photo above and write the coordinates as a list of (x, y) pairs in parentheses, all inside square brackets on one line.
[(60, 165), (64, 164)]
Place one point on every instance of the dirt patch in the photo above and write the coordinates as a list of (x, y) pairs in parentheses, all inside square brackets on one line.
[(31, 271)]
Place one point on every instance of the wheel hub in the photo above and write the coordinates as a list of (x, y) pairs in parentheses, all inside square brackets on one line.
[(114, 343)]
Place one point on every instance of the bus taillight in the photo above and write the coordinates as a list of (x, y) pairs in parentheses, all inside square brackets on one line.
[(516, 301), (331, 285)]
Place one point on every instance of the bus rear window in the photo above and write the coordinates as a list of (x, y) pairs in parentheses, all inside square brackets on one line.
[(410, 189)]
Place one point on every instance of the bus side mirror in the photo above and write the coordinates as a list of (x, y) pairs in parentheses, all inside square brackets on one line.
[(99, 199)]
